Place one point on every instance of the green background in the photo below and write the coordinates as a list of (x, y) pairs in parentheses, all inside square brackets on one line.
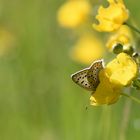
[(38, 100)]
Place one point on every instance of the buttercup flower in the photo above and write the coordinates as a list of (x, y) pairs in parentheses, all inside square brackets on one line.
[(73, 13), (122, 70), (123, 36), (118, 73), (106, 92), (87, 49), (112, 17)]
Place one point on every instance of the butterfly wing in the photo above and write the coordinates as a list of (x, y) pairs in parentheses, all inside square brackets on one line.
[(93, 73), (80, 78)]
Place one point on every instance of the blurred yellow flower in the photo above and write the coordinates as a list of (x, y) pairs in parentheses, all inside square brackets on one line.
[(123, 36), (87, 49), (7, 41), (118, 73), (122, 70), (72, 13), (112, 17)]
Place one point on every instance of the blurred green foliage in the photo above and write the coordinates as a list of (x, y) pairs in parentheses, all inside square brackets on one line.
[(38, 100)]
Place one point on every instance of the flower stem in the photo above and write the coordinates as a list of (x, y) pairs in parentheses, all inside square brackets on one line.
[(132, 27), (131, 97)]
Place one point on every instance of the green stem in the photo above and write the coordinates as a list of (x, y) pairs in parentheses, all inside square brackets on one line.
[(132, 27), (131, 97)]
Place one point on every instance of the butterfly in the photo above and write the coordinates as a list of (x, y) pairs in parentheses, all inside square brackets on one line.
[(88, 78)]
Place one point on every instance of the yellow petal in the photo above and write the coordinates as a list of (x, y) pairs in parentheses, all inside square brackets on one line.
[(123, 36), (73, 13), (122, 70), (87, 49), (112, 17), (106, 92)]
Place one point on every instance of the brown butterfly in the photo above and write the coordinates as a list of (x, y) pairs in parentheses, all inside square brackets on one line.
[(88, 78)]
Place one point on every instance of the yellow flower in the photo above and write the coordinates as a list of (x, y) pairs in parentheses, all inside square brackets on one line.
[(106, 92), (123, 36), (73, 13), (87, 49), (118, 73), (112, 17), (122, 70)]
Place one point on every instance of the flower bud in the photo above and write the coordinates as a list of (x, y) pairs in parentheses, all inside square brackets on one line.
[(128, 49), (136, 57), (117, 48)]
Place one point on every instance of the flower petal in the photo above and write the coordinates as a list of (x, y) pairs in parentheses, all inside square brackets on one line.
[(73, 13), (106, 92), (122, 70), (112, 17), (87, 49)]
